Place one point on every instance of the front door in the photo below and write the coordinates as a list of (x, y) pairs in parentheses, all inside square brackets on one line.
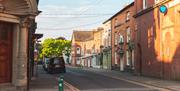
[(5, 52)]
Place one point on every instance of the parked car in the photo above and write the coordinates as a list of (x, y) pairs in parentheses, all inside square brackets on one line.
[(56, 65)]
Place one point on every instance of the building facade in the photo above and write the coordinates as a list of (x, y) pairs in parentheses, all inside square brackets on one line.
[(16, 20), (77, 49), (123, 39), (86, 48), (97, 53), (106, 45), (158, 41)]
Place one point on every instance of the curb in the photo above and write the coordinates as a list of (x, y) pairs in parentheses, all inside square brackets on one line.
[(141, 83)]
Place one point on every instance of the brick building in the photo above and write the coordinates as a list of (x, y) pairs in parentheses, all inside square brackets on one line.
[(123, 39), (158, 41), (17, 25), (86, 48), (78, 38)]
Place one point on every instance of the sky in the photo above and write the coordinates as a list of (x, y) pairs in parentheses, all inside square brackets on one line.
[(61, 17)]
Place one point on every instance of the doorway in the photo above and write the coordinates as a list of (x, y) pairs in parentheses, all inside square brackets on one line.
[(5, 52)]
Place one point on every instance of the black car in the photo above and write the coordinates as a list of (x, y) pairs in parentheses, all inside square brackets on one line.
[(56, 65)]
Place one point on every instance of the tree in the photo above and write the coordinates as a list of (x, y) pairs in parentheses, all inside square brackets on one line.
[(54, 47)]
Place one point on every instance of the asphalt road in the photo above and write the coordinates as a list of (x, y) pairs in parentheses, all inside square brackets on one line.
[(90, 81)]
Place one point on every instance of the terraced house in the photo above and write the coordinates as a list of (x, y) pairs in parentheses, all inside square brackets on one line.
[(86, 48), (123, 39), (106, 39), (158, 41), (78, 38), (17, 24)]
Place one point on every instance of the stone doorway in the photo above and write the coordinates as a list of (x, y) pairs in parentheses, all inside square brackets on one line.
[(5, 52)]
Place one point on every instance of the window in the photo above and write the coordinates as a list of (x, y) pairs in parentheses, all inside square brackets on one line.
[(128, 16), (128, 34), (116, 22), (144, 4), (78, 50), (82, 52), (116, 39), (127, 58), (121, 39), (115, 57), (157, 1), (109, 38)]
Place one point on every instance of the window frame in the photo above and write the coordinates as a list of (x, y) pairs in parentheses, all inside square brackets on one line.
[(128, 16), (78, 50), (145, 4), (128, 34)]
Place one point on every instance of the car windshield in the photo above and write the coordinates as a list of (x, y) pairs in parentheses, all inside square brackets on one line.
[(56, 61)]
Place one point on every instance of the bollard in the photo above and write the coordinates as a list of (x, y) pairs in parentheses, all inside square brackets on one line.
[(61, 84)]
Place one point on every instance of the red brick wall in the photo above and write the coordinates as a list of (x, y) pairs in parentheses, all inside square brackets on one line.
[(158, 43), (121, 17)]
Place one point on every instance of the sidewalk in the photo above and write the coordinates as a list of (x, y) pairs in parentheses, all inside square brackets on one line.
[(45, 82), (171, 85)]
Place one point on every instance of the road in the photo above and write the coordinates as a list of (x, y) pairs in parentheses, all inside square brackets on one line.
[(89, 81)]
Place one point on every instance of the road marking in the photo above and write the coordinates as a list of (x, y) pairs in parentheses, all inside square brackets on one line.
[(121, 89), (132, 81), (71, 87)]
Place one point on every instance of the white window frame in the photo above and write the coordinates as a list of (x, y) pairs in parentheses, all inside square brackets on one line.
[(145, 4), (128, 15), (127, 58), (115, 58), (157, 1), (128, 36), (121, 39), (116, 39), (78, 50)]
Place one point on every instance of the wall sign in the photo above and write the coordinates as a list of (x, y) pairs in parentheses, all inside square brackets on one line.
[(163, 9)]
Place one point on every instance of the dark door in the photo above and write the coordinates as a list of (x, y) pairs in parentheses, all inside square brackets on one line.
[(5, 52)]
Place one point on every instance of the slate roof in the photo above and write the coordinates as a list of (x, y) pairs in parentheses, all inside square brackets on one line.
[(83, 35)]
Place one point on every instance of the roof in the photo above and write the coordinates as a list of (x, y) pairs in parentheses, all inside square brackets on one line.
[(126, 7), (83, 35)]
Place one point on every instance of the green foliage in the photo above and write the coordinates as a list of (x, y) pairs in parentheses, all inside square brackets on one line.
[(54, 48)]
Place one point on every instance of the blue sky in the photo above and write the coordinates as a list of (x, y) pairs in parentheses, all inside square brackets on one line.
[(61, 17)]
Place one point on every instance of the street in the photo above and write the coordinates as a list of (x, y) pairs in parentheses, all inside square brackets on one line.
[(89, 81)]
